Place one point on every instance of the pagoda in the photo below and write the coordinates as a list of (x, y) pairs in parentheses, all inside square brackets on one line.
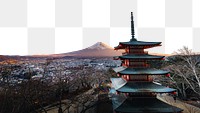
[(134, 90)]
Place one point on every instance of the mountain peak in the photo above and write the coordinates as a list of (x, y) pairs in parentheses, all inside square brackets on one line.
[(99, 49), (99, 46)]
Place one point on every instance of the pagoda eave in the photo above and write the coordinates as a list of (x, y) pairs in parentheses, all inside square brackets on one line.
[(137, 44), (140, 43), (141, 47), (132, 74), (139, 71), (139, 57), (146, 105), (141, 87)]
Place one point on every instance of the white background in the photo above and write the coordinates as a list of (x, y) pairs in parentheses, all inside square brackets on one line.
[(77, 24)]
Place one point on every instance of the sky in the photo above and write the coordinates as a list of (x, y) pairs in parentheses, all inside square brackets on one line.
[(29, 27)]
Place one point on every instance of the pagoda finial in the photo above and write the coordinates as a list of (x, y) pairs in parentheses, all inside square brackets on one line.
[(132, 28)]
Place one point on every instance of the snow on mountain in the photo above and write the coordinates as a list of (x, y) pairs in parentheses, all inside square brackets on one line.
[(99, 45)]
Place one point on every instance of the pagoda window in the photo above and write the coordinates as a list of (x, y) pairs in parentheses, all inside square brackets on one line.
[(127, 49), (141, 94), (126, 62), (136, 47), (123, 63), (123, 76), (126, 77), (138, 64), (138, 77), (126, 94), (150, 78), (137, 51)]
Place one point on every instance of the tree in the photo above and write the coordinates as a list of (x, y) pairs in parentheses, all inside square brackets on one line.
[(185, 69)]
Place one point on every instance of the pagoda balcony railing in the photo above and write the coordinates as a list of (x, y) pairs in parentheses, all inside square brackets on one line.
[(126, 53), (136, 66), (141, 80), (139, 66)]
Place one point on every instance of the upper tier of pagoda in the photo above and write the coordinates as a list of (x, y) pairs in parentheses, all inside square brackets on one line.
[(137, 44), (134, 43), (135, 68)]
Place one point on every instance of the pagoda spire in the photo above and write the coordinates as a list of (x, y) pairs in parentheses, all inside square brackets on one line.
[(132, 29)]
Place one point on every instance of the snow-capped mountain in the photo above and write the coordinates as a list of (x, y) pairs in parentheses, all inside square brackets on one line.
[(99, 45), (99, 49)]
